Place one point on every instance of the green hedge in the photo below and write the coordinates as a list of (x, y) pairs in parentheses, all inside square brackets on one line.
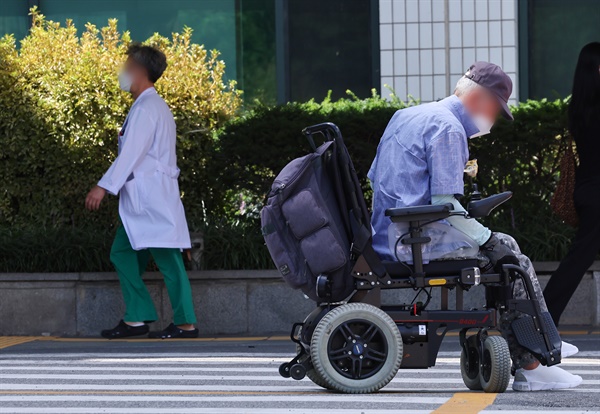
[(230, 244), (253, 148), (61, 107), (521, 156)]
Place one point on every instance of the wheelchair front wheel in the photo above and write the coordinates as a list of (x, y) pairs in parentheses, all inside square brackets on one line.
[(495, 365), (312, 374), (356, 348), (469, 364)]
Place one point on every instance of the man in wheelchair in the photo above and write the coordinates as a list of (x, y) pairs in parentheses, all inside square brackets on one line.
[(421, 159)]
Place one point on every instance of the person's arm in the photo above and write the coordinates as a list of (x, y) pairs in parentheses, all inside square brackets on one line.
[(139, 138), (489, 244), (447, 154), (470, 227)]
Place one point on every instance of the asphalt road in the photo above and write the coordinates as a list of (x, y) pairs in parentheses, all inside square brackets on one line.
[(239, 375)]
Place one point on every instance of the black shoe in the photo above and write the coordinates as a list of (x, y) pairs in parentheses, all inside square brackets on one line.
[(173, 331), (122, 330)]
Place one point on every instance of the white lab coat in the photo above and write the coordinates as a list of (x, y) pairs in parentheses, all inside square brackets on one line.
[(145, 174)]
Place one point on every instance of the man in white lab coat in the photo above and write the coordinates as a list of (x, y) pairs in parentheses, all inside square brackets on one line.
[(144, 175)]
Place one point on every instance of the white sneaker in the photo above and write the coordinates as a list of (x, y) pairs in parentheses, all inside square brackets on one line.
[(568, 349), (545, 378)]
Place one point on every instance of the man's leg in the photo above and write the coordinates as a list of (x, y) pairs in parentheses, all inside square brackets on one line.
[(170, 263), (130, 266), (530, 375), (521, 357)]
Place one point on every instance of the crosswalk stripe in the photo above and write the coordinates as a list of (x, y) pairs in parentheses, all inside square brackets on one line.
[(592, 390), (108, 364), (249, 398), (565, 361), (258, 355), (224, 356), (274, 378), (581, 356), (538, 412), (305, 386), (301, 386), (134, 357), (271, 369), (97, 360)]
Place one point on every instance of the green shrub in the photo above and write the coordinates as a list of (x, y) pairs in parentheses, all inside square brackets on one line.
[(61, 109)]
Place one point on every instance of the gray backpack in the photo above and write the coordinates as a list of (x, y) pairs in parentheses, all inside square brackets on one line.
[(308, 225)]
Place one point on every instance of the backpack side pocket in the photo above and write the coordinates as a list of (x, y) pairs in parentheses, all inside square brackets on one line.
[(284, 253)]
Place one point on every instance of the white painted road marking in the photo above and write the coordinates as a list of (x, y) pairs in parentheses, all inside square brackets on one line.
[(181, 383)]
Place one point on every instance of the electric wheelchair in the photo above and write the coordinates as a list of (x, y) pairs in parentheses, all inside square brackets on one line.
[(357, 345)]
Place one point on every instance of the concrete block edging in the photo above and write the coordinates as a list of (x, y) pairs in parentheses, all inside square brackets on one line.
[(237, 302)]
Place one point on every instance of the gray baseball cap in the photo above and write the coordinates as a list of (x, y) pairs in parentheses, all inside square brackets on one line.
[(493, 78)]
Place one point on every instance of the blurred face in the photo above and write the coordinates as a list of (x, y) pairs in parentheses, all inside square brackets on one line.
[(480, 102), (131, 76), (484, 109)]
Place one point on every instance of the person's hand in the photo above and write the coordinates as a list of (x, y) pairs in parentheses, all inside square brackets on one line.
[(94, 198), (498, 253)]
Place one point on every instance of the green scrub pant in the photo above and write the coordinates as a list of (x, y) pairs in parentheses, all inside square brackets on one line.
[(131, 264)]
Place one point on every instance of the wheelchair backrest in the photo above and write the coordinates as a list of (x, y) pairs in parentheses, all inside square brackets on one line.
[(316, 220)]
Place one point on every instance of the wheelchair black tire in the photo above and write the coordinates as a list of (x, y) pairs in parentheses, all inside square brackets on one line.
[(496, 364), (469, 365), (385, 330), (313, 375)]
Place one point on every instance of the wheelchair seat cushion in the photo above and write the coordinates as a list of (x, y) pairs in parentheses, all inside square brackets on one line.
[(436, 268)]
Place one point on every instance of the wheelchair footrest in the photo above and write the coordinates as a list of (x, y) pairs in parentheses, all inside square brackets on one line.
[(529, 337)]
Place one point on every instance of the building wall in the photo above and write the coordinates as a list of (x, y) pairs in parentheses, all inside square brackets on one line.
[(426, 45)]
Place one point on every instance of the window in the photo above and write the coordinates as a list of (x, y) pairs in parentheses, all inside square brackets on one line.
[(277, 50), (256, 50), (331, 47), (14, 18), (557, 30), (213, 21)]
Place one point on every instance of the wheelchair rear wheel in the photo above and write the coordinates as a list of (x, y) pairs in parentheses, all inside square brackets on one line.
[(356, 348)]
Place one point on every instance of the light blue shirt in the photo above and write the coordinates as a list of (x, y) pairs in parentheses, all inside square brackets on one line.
[(423, 152)]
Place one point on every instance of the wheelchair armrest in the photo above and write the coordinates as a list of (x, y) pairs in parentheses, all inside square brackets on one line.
[(419, 213), (484, 207)]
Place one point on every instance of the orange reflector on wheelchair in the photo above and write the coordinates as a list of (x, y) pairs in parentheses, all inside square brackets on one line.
[(437, 282)]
